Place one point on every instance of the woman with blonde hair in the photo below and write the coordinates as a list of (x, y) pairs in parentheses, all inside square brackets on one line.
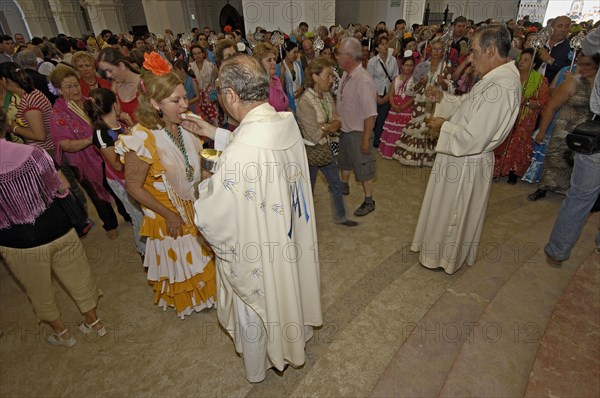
[(162, 164), (85, 64), (266, 54)]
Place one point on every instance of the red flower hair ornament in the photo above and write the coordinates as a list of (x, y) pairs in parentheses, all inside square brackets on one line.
[(156, 64), (227, 29)]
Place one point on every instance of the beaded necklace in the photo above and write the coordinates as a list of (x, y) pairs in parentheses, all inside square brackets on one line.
[(189, 170)]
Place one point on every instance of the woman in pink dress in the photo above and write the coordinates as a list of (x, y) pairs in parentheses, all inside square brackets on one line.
[(401, 101), (266, 54)]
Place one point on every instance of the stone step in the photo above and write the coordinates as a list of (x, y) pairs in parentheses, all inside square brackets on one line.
[(421, 365), (513, 324), (568, 360)]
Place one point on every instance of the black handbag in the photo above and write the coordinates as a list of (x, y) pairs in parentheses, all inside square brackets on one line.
[(585, 137)]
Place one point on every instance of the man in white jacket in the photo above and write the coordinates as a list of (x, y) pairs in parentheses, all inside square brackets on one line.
[(257, 213), (470, 127)]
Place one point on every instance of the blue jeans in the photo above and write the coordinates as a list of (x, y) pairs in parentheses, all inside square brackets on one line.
[(332, 175), (575, 209)]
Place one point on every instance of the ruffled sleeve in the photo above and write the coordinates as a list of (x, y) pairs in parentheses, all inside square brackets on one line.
[(141, 141)]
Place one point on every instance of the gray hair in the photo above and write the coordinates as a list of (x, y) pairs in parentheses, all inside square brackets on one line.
[(494, 35), (27, 59), (354, 46), (246, 76)]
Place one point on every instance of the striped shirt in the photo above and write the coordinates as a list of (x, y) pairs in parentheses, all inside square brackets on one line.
[(35, 100)]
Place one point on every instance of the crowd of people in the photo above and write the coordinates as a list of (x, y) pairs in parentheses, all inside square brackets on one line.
[(115, 116)]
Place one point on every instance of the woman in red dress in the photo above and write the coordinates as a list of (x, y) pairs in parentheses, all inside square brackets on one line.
[(513, 155), (125, 79)]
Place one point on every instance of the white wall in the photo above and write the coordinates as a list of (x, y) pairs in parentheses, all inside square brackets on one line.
[(287, 14), (502, 10), (166, 14)]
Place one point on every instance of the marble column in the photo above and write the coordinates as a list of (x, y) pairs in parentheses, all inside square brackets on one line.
[(107, 14), (68, 16), (166, 14), (39, 18), (193, 14)]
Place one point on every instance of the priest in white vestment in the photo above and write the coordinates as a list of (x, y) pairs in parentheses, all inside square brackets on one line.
[(470, 127), (257, 213)]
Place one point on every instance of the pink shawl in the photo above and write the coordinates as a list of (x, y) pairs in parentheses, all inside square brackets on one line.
[(67, 125), (28, 183)]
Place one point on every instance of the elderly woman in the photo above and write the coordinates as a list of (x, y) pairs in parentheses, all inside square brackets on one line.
[(85, 65), (162, 163), (265, 53), (32, 222), (512, 157), (72, 132), (317, 118), (124, 76), (225, 49), (572, 102)]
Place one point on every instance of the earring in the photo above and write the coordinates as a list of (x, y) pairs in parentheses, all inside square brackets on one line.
[(159, 113)]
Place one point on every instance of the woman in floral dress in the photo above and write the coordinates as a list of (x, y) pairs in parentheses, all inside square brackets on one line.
[(416, 147)]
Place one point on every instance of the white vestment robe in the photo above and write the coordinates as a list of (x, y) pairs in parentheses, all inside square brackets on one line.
[(257, 213), (455, 203)]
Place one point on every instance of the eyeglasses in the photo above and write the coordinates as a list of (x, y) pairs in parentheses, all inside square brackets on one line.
[(293, 75), (218, 86)]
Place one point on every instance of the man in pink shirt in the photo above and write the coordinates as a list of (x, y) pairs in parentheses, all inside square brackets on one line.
[(357, 107)]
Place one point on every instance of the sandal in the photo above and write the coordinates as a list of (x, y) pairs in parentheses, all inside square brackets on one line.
[(87, 329), (55, 339)]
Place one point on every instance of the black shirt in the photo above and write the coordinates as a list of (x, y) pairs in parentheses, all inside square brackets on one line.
[(49, 226)]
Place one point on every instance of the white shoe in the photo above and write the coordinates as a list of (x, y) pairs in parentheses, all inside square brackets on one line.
[(55, 339), (87, 329)]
